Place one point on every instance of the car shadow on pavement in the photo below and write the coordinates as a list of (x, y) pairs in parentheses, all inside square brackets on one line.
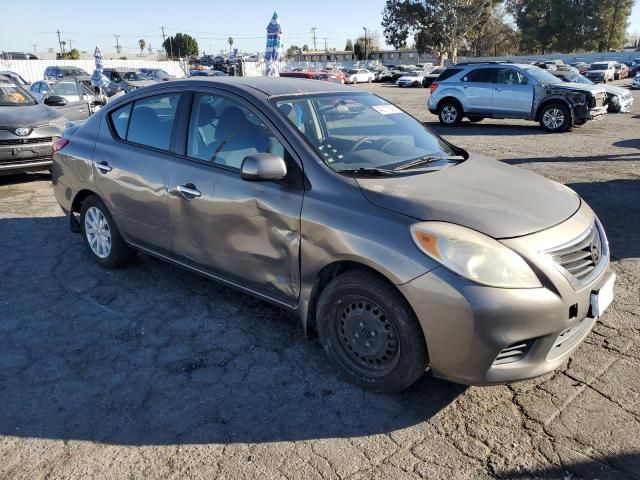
[(604, 468), (617, 204), (152, 354), (631, 143), (23, 178)]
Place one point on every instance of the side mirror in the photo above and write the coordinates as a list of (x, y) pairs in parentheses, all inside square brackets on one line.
[(263, 166), (55, 101)]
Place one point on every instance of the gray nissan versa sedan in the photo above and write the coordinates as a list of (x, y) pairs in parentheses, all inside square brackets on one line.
[(404, 253)]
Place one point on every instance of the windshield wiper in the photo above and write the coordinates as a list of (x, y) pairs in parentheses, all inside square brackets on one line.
[(367, 171), (424, 160)]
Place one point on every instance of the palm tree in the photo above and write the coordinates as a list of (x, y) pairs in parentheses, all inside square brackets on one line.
[(142, 44), (230, 40)]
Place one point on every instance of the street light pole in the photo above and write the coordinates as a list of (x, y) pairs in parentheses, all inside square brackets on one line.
[(365, 44)]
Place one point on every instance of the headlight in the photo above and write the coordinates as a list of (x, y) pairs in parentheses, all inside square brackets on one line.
[(473, 255)]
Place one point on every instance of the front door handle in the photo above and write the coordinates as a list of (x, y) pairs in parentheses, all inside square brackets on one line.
[(498, 89), (103, 167), (187, 191)]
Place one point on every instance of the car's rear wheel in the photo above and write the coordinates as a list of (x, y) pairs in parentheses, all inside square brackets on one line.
[(101, 236), (354, 81), (370, 332), (555, 118), (450, 113)]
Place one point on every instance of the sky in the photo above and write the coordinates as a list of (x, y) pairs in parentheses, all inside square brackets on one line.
[(84, 25), (211, 22)]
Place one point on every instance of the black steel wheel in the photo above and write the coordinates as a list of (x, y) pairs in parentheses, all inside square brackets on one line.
[(370, 332)]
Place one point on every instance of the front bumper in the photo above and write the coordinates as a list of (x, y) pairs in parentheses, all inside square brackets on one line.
[(25, 157), (468, 326)]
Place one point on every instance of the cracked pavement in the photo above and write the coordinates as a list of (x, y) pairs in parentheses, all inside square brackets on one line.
[(154, 372)]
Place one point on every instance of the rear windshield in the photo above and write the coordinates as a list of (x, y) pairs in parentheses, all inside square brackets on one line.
[(599, 66)]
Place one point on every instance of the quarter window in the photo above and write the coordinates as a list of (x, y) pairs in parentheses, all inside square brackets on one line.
[(224, 132), (152, 120), (120, 120)]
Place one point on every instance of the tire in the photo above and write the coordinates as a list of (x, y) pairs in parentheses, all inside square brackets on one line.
[(369, 80), (450, 113), (476, 119), (555, 118), (370, 333), (107, 248), (355, 80)]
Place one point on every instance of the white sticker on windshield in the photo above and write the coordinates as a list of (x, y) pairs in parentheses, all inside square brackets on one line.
[(386, 109)]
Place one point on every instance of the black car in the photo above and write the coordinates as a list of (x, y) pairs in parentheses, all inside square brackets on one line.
[(27, 130)]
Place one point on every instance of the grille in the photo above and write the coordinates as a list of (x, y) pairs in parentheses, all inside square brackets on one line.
[(26, 141), (581, 256), (513, 353), (23, 161)]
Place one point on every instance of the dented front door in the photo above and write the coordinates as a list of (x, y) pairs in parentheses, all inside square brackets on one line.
[(245, 232)]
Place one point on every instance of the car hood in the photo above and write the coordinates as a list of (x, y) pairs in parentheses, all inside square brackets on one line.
[(28, 116), (408, 78), (491, 197), (610, 89), (579, 86)]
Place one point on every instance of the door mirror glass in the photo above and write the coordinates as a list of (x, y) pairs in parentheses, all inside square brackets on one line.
[(263, 167), (55, 101)]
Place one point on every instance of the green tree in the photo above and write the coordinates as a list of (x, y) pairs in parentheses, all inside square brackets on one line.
[(73, 54), (437, 25), (292, 51), (180, 45), (141, 45), (358, 47), (349, 46), (305, 48)]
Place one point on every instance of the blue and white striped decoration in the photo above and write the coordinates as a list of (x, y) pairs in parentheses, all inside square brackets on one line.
[(97, 78), (274, 44)]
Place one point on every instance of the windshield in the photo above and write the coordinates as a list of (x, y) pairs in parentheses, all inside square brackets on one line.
[(352, 71), (12, 95), (74, 72), (540, 74), (437, 70), (598, 66), (361, 130), (411, 74), (578, 79)]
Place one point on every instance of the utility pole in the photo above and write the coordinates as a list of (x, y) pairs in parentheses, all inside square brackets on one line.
[(117, 43), (60, 43), (325, 43), (313, 34), (365, 43), (69, 42), (34, 48)]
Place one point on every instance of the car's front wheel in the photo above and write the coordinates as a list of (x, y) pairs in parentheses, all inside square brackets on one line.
[(450, 113), (101, 236), (555, 118), (370, 332)]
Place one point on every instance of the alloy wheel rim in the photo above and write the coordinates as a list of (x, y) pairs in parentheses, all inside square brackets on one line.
[(97, 231), (367, 336), (553, 118), (449, 114)]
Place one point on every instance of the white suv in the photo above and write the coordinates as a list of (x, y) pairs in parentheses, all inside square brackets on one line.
[(601, 72), (359, 75)]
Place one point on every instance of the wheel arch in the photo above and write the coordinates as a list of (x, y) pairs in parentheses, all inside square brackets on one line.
[(449, 98), (548, 101), (322, 279)]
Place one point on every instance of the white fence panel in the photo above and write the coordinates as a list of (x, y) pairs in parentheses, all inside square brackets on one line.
[(33, 70)]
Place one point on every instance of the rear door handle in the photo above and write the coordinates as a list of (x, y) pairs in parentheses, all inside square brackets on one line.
[(103, 167), (187, 191)]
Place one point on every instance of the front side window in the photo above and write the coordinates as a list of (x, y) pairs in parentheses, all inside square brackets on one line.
[(224, 132), (509, 76), (151, 120), (353, 131)]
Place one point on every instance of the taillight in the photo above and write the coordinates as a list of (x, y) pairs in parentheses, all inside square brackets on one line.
[(59, 144), (433, 87)]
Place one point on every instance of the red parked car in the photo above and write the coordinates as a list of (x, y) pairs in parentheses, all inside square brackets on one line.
[(622, 71)]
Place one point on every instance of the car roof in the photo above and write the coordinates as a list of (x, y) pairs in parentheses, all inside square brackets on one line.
[(270, 86)]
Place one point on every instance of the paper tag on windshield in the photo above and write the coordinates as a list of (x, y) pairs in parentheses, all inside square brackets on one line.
[(386, 109)]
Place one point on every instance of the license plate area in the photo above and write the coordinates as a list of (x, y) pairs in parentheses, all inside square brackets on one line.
[(601, 299)]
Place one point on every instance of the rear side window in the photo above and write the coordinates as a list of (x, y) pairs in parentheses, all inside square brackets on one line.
[(448, 73), (151, 120), (480, 75), (120, 120)]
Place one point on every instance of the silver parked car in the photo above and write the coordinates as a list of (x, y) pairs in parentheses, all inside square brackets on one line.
[(506, 90), (401, 251)]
